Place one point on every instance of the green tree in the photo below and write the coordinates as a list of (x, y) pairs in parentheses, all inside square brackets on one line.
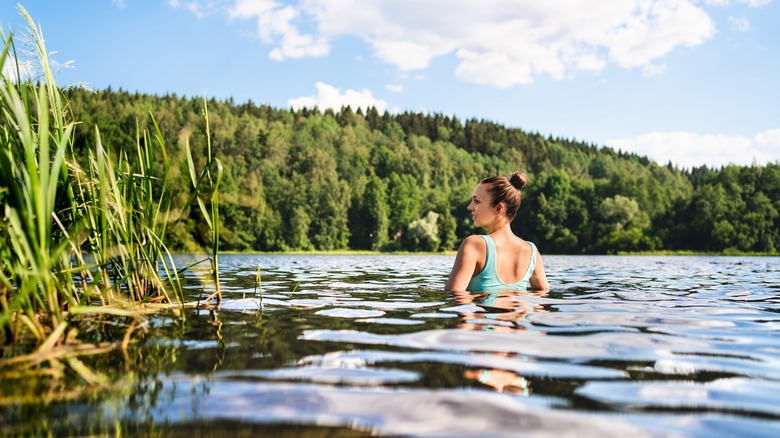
[(623, 226), (299, 229), (423, 234), (403, 200), (290, 176), (553, 213), (376, 213)]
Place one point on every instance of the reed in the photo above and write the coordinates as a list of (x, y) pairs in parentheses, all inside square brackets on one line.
[(207, 183), (34, 137), (81, 241)]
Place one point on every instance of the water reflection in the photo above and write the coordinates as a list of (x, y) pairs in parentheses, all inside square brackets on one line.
[(500, 380), (499, 311), (640, 346)]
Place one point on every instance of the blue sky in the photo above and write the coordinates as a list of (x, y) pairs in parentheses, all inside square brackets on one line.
[(694, 82)]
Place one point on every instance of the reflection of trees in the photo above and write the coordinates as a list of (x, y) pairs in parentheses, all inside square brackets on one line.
[(499, 311), (133, 382)]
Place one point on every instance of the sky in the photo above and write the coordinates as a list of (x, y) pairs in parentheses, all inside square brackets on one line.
[(694, 82)]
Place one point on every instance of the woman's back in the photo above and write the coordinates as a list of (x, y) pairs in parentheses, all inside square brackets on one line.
[(500, 258), (504, 265), (513, 259)]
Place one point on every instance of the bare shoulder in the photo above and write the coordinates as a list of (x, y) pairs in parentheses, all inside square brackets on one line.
[(473, 244), (474, 239), (473, 248), (467, 262)]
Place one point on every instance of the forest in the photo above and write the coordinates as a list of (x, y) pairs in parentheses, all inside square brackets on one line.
[(312, 180)]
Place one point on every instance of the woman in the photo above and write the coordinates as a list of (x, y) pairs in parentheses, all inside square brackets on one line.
[(500, 260)]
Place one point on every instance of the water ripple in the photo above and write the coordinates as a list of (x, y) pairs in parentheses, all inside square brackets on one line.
[(736, 394), (679, 346), (403, 413)]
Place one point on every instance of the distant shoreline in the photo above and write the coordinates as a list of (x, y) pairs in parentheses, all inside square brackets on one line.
[(700, 253), (452, 253), (334, 252)]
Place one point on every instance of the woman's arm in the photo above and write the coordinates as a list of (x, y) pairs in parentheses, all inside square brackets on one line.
[(465, 264), (539, 278)]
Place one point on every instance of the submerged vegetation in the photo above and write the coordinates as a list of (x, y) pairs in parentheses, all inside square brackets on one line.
[(83, 231)]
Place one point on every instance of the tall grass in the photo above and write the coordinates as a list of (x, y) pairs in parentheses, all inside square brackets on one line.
[(34, 137), (207, 182), (80, 240)]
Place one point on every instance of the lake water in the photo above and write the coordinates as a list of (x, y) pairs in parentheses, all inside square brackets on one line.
[(351, 345)]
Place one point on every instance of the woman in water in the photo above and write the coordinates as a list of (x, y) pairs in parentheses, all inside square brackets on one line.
[(499, 260)]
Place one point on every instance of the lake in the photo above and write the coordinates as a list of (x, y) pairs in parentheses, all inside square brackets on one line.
[(356, 345)]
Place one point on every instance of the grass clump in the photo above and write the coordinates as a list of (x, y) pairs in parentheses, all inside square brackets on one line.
[(80, 241)]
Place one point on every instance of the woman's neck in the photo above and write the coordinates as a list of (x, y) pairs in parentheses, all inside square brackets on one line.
[(499, 228)]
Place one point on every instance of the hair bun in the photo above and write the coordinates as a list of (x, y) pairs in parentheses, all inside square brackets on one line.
[(518, 180)]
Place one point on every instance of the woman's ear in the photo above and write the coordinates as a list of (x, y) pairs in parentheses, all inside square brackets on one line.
[(500, 208)]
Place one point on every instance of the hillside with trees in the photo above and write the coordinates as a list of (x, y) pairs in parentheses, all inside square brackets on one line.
[(313, 180)]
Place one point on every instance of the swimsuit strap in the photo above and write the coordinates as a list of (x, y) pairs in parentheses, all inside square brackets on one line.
[(490, 254), (532, 265)]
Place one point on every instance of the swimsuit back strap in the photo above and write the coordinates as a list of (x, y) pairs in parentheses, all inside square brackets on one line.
[(532, 264), (490, 254)]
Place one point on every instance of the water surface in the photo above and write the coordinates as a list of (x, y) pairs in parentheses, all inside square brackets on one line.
[(639, 346)]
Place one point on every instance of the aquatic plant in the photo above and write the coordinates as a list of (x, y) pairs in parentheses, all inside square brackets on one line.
[(38, 217), (208, 182), (80, 241)]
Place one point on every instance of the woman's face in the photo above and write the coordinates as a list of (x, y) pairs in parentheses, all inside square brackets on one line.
[(481, 211)]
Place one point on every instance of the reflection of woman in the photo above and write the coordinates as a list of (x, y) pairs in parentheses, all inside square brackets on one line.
[(485, 261), (499, 311), (501, 380)]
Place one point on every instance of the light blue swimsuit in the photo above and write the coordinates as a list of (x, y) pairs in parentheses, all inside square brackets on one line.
[(487, 279)]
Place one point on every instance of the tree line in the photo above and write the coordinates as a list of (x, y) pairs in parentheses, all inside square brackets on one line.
[(326, 180)]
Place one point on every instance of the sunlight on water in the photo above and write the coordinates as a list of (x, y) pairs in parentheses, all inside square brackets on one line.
[(621, 346)]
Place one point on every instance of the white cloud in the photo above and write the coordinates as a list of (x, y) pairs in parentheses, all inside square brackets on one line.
[(769, 139), (755, 3), (395, 88), (119, 3), (498, 42), (751, 3), (191, 6), (739, 24), (247, 9), (687, 149), (274, 25), (655, 29), (331, 97), (199, 8), (25, 69)]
